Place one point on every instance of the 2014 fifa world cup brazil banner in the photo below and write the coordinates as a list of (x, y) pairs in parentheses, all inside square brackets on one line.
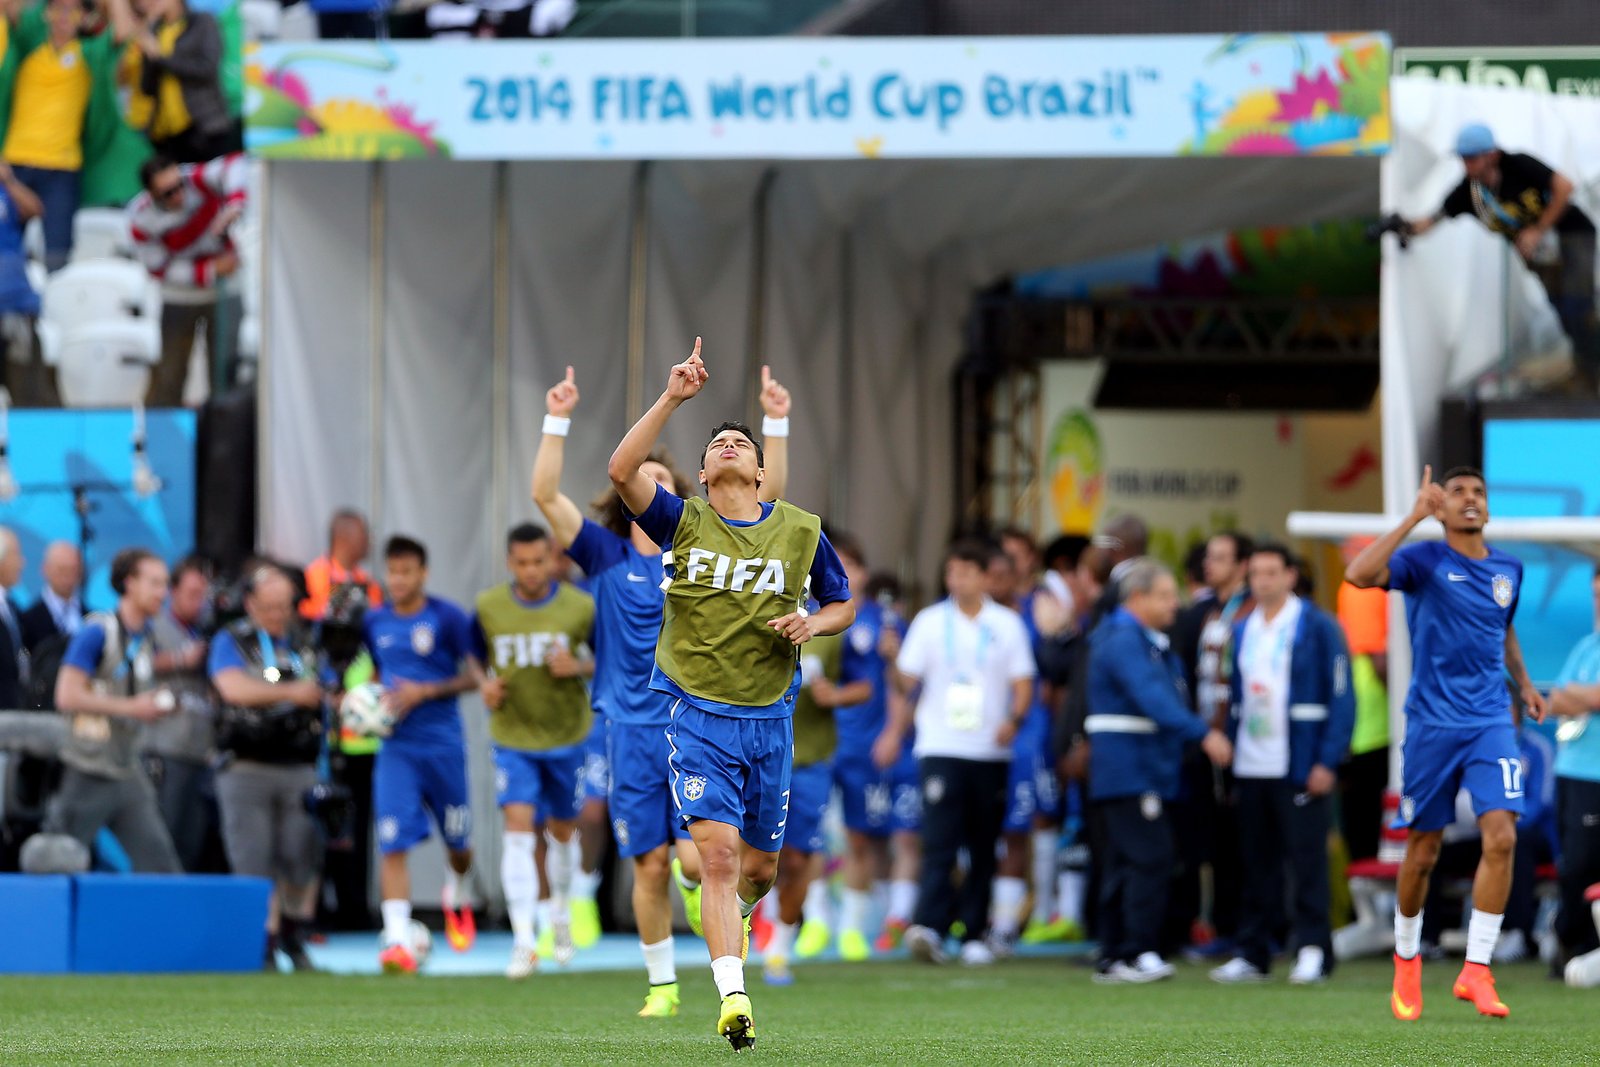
[(822, 98)]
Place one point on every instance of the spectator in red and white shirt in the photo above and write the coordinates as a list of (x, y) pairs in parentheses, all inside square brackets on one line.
[(180, 228)]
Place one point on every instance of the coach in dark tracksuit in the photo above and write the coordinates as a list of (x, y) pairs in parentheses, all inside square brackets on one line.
[(1293, 711), (1138, 723)]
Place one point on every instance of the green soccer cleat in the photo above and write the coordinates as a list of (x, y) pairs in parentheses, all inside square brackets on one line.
[(1053, 931), (736, 1022), (744, 942), (691, 900), (813, 939), (661, 1002), (585, 919), (853, 946), (546, 945)]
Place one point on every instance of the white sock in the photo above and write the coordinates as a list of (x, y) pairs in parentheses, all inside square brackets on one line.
[(853, 908), (1407, 934), (747, 908), (545, 910), (684, 881), (455, 890), (818, 906), (728, 972), (1483, 930), (782, 944), (1070, 889), (1044, 875), (1009, 893), (520, 880), (902, 899), (560, 861), (585, 884), (658, 962), (396, 922)]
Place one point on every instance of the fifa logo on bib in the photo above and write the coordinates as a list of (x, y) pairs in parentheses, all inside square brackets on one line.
[(1502, 590), (735, 574)]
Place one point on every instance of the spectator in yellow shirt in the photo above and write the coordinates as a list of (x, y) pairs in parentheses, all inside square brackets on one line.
[(172, 70)]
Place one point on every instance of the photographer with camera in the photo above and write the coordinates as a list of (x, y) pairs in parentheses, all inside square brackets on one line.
[(270, 733), (107, 687), (1528, 203)]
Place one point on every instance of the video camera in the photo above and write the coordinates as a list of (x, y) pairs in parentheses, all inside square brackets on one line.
[(338, 633), (1391, 223)]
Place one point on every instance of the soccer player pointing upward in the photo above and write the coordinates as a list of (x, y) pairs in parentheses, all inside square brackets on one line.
[(739, 574), (1460, 599)]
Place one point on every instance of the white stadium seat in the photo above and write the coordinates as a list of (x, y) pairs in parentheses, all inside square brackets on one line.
[(99, 290), (33, 240), (105, 364), (100, 233)]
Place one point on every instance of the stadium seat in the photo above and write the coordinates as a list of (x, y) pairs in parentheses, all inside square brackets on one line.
[(33, 240), (105, 364), (100, 233), (96, 290), (262, 19)]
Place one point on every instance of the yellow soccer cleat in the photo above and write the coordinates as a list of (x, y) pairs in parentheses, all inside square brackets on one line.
[(813, 939), (661, 1002), (585, 919), (853, 946), (736, 1022), (744, 943), (546, 945), (691, 899), (1055, 930)]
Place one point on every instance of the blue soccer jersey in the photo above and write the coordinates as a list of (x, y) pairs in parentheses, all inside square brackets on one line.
[(1458, 611), (860, 724), (626, 585), (427, 646)]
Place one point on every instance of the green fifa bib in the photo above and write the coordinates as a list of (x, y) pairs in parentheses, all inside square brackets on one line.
[(540, 711), (728, 583), (815, 735)]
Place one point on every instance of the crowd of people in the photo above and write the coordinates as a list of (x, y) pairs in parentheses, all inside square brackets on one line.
[(1058, 748), (131, 106)]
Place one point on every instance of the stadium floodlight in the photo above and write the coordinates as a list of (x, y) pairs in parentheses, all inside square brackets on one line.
[(1576, 533)]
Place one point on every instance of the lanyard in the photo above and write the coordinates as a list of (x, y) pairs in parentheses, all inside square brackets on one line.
[(130, 656), (269, 657), (950, 640)]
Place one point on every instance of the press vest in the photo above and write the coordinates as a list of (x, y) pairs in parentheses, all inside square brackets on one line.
[(107, 745), (728, 582)]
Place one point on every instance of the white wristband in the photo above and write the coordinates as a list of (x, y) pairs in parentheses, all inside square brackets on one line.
[(556, 426), (771, 427)]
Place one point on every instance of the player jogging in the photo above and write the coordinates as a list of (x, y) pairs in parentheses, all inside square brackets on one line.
[(531, 631), (728, 656), (624, 569), (421, 647), (1461, 596)]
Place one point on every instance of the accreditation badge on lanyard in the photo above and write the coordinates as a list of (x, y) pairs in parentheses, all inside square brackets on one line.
[(963, 698)]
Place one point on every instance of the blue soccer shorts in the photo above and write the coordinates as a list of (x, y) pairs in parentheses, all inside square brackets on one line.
[(1032, 788), (595, 779), (1438, 762), (643, 816), (734, 771), (878, 803), (410, 784), (546, 779), (810, 789)]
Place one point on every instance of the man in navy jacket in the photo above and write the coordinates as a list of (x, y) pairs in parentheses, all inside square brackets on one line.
[(1138, 722), (1293, 711)]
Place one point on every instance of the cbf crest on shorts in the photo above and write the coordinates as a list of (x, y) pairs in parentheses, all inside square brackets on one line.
[(1502, 590), (422, 639), (694, 787)]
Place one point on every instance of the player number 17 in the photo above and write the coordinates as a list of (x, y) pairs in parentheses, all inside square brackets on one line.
[(1511, 771)]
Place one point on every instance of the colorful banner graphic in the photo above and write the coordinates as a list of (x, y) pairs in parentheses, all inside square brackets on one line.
[(822, 98), (54, 454)]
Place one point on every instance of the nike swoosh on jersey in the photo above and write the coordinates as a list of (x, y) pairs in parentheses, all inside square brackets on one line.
[(1457, 577), (637, 578)]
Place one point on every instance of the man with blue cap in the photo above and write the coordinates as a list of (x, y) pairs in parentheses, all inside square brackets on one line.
[(1529, 203)]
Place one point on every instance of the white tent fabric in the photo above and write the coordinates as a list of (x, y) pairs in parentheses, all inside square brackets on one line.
[(1456, 297), (864, 285)]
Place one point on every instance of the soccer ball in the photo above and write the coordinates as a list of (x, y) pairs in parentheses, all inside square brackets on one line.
[(421, 943), (365, 712)]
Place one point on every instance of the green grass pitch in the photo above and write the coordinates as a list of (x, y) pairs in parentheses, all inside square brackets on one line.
[(1043, 1011)]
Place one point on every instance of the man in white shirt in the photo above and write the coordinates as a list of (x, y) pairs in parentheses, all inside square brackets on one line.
[(974, 664), (1293, 710)]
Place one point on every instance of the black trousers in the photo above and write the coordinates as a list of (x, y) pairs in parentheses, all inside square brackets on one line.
[(963, 807), (1283, 831), (1362, 781), (1137, 861), (1578, 809)]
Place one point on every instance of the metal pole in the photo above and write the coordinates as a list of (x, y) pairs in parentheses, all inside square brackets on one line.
[(638, 290)]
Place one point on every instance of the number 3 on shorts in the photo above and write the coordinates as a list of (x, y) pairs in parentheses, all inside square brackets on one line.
[(1511, 771)]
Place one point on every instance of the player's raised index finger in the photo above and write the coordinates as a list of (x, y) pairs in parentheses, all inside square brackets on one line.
[(766, 377), (571, 378), (1427, 474), (696, 353)]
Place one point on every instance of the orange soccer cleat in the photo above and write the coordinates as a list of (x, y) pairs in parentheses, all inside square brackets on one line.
[(460, 928), (1406, 1000), (1476, 984), (397, 959)]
